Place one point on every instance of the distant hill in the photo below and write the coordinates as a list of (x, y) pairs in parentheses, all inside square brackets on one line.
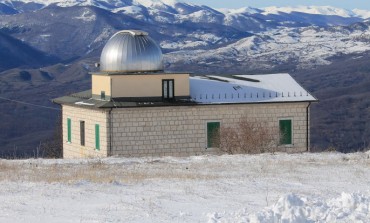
[(24, 126), (14, 53), (7, 10), (341, 119)]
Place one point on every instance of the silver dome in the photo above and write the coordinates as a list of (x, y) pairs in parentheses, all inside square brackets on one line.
[(131, 51)]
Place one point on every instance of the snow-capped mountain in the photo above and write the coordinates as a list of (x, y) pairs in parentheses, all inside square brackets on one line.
[(149, 11), (172, 4), (302, 47), (316, 10), (177, 7), (106, 4), (362, 13), (238, 34)]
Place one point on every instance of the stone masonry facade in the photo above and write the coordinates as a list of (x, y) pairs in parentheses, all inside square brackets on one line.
[(173, 130), (182, 131), (91, 117)]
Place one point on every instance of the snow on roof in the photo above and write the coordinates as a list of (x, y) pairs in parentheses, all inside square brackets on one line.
[(247, 89)]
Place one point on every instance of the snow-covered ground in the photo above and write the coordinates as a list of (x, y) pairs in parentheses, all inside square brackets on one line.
[(324, 187)]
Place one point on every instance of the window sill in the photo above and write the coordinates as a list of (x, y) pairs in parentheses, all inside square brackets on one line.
[(286, 145), (207, 148)]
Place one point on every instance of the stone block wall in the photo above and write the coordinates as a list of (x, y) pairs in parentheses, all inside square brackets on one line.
[(74, 149), (171, 131), (182, 130)]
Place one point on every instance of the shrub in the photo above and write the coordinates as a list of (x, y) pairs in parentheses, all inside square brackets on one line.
[(248, 137)]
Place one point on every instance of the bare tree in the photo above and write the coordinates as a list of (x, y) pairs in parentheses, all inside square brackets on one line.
[(53, 148), (248, 137), (228, 139)]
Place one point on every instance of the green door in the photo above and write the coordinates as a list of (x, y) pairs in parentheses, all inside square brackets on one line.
[(213, 134), (285, 127)]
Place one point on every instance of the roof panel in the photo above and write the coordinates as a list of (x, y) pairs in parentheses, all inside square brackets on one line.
[(254, 89)]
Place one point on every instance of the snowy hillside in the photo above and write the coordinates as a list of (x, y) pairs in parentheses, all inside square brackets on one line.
[(178, 24), (307, 47), (260, 37), (362, 13), (107, 4), (318, 10), (325, 187)]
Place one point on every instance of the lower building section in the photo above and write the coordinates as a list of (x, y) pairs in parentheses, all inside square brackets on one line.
[(85, 132), (175, 130)]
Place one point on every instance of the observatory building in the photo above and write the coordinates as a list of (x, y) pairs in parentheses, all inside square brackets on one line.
[(135, 108)]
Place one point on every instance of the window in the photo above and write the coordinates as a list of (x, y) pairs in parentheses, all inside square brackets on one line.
[(213, 134), (285, 127), (102, 95), (82, 132), (69, 130), (97, 137), (168, 89)]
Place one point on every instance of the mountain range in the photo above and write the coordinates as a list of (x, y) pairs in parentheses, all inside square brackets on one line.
[(49, 46), (173, 6)]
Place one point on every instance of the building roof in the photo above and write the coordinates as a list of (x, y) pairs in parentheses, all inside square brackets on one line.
[(84, 99), (238, 89), (247, 89)]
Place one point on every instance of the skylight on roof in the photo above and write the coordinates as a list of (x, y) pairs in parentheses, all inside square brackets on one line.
[(244, 78)]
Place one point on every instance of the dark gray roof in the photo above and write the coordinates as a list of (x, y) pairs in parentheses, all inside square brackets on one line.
[(206, 90), (85, 99)]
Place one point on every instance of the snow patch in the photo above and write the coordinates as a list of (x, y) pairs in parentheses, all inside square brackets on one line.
[(365, 14), (318, 10), (86, 16), (183, 45), (348, 207), (128, 10), (45, 36), (204, 16), (84, 103), (150, 3), (244, 10)]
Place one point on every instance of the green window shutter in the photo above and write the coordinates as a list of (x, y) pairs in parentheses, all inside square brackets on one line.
[(82, 133), (69, 130), (97, 137), (285, 127), (213, 134)]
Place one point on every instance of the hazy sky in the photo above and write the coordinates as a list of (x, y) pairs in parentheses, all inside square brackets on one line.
[(347, 4)]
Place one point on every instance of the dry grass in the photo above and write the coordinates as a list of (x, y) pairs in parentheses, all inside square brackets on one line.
[(127, 170), (94, 171)]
